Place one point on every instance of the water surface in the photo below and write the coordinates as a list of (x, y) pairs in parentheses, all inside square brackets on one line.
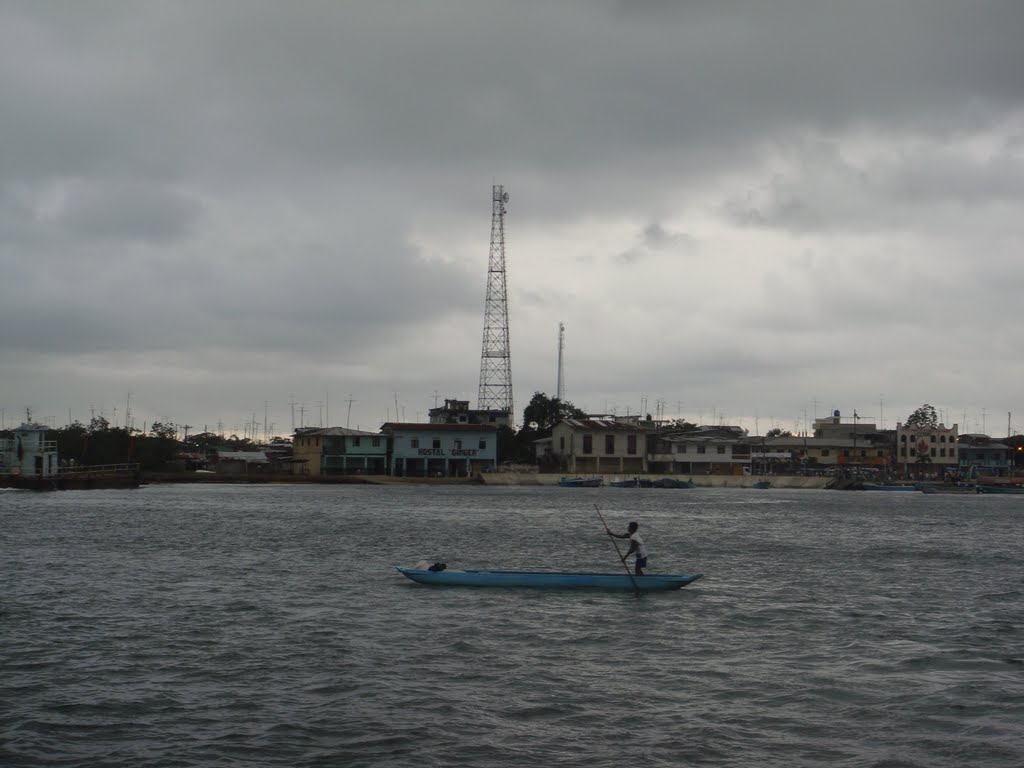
[(265, 625)]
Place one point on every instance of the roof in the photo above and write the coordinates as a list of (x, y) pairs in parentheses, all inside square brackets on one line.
[(334, 432), (601, 425), (250, 457), (419, 426)]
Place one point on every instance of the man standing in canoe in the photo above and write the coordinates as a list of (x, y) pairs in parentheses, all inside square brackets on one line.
[(636, 547)]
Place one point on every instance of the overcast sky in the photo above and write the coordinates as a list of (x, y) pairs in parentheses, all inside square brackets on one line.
[(744, 212)]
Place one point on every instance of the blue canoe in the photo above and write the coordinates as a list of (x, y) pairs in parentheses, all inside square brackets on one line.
[(549, 579)]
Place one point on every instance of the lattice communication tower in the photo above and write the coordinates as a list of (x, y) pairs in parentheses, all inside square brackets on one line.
[(495, 358)]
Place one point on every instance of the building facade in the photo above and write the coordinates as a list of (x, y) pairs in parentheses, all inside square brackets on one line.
[(718, 450), (338, 451), (596, 446), (981, 456), (926, 450), (441, 450)]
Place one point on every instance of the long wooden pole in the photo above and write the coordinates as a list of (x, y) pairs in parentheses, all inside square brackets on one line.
[(618, 551)]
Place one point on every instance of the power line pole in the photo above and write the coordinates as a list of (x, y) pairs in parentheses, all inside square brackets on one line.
[(560, 388)]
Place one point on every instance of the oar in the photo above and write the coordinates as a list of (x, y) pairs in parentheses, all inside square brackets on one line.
[(619, 551)]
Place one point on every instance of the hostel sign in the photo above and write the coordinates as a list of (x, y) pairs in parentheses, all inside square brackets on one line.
[(453, 452)]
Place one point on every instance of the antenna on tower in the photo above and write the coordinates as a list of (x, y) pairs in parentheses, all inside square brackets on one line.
[(560, 389), (495, 357)]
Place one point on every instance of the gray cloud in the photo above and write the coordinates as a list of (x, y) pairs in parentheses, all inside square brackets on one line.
[(252, 200)]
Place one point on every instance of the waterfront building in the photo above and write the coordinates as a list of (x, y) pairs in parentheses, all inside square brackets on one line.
[(596, 446), (922, 450), (707, 450), (441, 450), (459, 412), (810, 454), (981, 456), (338, 451)]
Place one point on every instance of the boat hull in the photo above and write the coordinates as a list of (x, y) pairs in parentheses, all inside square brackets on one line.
[(1001, 489), (959, 490), (550, 579), (581, 482)]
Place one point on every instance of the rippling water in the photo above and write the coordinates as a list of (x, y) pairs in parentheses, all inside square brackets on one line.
[(265, 625)]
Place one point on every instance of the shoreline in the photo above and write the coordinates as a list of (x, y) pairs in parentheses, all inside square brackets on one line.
[(788, 482)]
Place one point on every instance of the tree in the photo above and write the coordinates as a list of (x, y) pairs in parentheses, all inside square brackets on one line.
[(544, 412), (925, 416), (165, 431), (777, 432)]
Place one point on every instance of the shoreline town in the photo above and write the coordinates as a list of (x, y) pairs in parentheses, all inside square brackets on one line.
[(460, 445)]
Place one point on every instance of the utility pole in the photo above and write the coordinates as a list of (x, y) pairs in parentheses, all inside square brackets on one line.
[(560, 386)]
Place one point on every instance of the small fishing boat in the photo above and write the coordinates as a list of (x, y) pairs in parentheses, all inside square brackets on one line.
[(550, 579), (671, 482), (1001, 489), (632, 483), (581, 482), (886, 487), (762, 484), (947, 488)]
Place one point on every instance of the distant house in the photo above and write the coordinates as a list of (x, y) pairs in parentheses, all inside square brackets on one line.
[(441, 450), (459, 412), (338, 451), (980, 455), (720, 450), (241, 462), (596, 446)]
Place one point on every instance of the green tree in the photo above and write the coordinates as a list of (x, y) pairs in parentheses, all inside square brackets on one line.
[(544, 412), (777, 432), (925, 416)]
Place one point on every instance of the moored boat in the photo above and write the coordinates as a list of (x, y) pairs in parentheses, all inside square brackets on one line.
[(581, 482), (947, 488), (1000, 489), (550, 579), (671, 482), (886, 487), (632, 483)]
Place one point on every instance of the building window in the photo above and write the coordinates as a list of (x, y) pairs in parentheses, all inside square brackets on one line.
[(680, 449), (561, 444), (721, 448), (824, 452), (437, 442), (933, 438), (458, 445), (942, 452), (903, 451), (942, 438), (483, 445), (702, 449), (932, 453), (903, 438), (355, 442), (609, 443), (375, 442), (588, 443), (631, 444), (415, 443)]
